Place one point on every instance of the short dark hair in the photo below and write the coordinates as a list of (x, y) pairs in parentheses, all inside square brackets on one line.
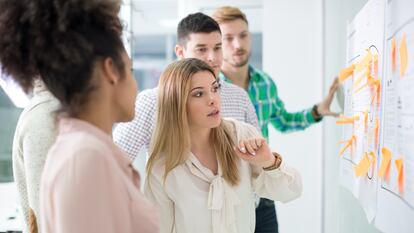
[(195, 23), (59, 41)]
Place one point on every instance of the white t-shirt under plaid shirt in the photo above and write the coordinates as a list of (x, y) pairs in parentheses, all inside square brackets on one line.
[(132, 136)]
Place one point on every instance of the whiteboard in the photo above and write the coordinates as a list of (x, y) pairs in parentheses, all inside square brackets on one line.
[(377, 157)]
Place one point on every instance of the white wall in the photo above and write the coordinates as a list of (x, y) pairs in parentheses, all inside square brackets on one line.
[(292, 55)]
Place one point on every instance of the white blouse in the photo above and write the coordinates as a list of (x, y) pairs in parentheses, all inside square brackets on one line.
[(193, 199)]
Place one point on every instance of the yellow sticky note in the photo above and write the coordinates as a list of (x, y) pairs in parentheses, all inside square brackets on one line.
[(399, 163), (394, 54), (386, 156), (403, 56), (363, 166), (345, 73)]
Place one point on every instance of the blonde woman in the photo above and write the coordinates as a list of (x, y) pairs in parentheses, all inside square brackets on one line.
[(203, 170)]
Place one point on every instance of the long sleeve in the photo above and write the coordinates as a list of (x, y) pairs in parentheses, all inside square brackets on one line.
[(19, 175), (285, 121), (132, 136), (89, 185), (85, 199), (36, 143), (84, 210), (282, 184), (35, 133), (155, 192)]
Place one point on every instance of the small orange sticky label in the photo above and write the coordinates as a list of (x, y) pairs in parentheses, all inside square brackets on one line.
[(345, 73), (386, 156), (403, 56)]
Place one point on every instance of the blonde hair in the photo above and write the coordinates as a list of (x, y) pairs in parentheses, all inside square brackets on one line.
[(228, 13), (32, 222), (171, 141)]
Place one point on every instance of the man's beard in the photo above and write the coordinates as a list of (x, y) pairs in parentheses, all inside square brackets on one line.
[(239, 64)]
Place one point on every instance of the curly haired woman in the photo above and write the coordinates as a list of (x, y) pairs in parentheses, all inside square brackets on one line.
[(74, 46)]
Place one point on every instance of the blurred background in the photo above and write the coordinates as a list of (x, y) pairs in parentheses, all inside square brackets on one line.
[(300, 43)]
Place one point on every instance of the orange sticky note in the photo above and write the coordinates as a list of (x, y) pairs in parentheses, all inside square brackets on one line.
[(377, 125), (386, 156), (346, 73), (364, 63), (378, 92), (345, 120), (362, 87), (376, 65), (373, 159), (371, 81), (394, 54), (399, 163), (348, 144), (360, 78), (344, 149), (403, 55), (363, 166), (366, 121)]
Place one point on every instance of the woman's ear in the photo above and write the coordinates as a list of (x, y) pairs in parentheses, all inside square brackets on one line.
[(110, 70)]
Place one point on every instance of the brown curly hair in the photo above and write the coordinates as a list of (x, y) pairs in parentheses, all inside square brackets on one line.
[(59, 41)]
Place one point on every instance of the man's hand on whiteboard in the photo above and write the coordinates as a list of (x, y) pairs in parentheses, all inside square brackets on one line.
[(324, 108)]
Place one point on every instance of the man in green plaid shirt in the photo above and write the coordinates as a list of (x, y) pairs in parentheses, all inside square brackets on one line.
[(270, 108), (263, 94)]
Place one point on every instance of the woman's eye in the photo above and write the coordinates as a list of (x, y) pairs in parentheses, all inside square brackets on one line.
[(216, 87)]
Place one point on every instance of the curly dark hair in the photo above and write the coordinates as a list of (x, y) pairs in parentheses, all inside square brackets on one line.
[(59, 41)]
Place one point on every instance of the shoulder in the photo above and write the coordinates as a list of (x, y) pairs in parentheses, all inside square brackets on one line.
[(78, 152), (81, 145), (148, 93), (40, 108), (259, 76), (239, 129), (147, 96), (231, 88), (39, 117), (145, 103), (233, 93)]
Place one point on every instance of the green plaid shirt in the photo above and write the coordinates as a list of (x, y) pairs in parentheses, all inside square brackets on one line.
[(270, 108)]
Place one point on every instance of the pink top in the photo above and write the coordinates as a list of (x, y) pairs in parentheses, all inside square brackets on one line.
[(89, 185)]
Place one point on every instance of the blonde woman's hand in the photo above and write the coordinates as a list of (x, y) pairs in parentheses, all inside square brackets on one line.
[(256, 152)]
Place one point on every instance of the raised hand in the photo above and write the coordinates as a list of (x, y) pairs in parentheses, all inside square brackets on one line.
[(324, 107), (256, 152)]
